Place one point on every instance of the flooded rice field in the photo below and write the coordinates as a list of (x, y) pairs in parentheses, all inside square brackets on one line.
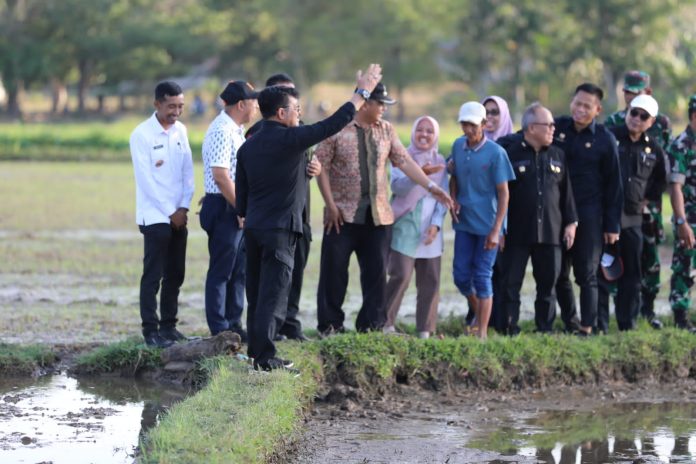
[(60, 419), (591, 425)]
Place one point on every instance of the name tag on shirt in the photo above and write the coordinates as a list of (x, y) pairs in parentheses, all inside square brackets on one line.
[(157, 147)]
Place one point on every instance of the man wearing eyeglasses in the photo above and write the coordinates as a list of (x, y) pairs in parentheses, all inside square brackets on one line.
[(638, 83), (682, 154), (643, 172), (593, 166), (541, 217), (271, 183)]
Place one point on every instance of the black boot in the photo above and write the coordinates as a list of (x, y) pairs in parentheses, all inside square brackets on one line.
[(681, 321)]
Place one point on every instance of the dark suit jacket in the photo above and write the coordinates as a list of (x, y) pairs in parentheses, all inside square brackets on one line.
[(271, 181)]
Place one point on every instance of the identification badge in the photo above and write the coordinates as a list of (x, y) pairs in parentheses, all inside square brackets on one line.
[(157, 147)]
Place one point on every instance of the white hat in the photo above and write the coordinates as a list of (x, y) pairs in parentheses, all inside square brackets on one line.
[(472, 112), (645, 102)]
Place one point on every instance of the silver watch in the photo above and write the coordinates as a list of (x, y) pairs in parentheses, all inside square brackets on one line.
[(363, 93)]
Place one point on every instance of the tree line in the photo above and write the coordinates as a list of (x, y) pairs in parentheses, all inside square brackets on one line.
[(522, 50)]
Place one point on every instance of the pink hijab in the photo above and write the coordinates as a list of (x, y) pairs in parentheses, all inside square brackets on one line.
[(505, 126), (405, 204)]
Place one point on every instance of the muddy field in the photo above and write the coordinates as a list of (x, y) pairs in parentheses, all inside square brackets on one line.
[(593, 424)]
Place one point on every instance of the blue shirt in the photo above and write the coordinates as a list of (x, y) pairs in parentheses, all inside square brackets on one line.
[(478, 171)]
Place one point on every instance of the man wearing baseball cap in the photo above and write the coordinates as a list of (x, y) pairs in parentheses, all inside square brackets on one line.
[(479, 187), (224, 283), (354, 184), (682, 154), (643, 172), (638, 83)]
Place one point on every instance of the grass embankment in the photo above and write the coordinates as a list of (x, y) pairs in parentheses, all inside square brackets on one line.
[(242, 416), (25, 360)]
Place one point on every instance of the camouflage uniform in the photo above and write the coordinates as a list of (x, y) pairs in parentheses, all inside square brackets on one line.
[(682, 153), (653, 229)]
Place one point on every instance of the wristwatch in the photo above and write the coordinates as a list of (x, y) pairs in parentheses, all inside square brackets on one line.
[(679, 221), (363, 93), (430, 186)]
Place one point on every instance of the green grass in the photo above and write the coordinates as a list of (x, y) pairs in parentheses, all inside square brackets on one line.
[(240, 416), (126, 356), (25, 360)]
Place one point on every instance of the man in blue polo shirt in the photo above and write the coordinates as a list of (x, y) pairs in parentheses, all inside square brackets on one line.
[(479, 187)]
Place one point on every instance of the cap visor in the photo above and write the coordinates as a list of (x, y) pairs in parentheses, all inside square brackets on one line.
[(633, 88), (472, 120)]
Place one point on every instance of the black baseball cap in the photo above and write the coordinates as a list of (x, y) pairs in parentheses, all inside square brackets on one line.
[(611, 263), (380, 94), (238, 90)]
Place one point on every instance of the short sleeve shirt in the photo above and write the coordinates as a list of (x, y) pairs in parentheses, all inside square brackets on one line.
[(220, 144), (478, 171)]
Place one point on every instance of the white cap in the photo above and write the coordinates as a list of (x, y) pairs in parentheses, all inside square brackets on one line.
[(645, 102), (472, 112)]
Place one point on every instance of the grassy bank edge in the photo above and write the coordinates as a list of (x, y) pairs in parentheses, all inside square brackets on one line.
[(16, 360), (241, 416)]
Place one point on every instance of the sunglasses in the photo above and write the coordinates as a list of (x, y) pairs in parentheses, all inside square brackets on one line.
[(492, 112), (636, 113)]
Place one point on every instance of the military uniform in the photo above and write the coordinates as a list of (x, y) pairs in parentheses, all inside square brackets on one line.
[(652, 228), (682, 153)]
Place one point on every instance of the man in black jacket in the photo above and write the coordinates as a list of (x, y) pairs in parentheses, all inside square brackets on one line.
[(644, 172), (593, 166), (271, 187), (291, 328), (541, 217)]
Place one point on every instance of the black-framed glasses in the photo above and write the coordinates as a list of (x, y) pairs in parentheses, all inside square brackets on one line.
[(636, 113), (548, 125), (493, 112), (296, 108)]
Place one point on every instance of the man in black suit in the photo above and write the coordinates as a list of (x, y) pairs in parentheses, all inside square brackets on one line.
[(271, 186)]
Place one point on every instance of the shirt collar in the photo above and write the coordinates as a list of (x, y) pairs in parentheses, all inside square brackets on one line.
[(157, 126), (228, 120), (477, 147)]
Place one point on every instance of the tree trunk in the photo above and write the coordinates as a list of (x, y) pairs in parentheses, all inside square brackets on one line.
[(59, 96), (223, 343), (14, 99), (85, 69)]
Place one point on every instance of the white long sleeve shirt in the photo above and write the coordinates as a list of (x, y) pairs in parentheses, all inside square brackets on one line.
[(163, 167)]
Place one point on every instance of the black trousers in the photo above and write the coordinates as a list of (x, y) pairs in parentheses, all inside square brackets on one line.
[(224, 282), (164, 260), (371, 245), (628, 286), (270, 260), (292, 327), (546, 266), (584, 258)]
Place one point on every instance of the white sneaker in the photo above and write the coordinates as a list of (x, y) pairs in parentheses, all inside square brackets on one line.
[(388, 329), (423, 334)]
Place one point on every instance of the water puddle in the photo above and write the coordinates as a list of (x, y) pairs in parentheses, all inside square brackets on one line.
[(61, 419), (565, 426)]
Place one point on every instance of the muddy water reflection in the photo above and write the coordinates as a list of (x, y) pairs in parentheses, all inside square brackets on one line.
[(609, 424), (648, 432), (61, 419)]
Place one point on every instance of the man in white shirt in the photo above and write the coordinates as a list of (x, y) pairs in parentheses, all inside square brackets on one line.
[(163, 189), (224, 283)]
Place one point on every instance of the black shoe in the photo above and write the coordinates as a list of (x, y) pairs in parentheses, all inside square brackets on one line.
[(655, 323), (277, 364), (155, 340), (300, 337), (330, 332), (172, 335), (686, 325), (241, 332), (573, 325)]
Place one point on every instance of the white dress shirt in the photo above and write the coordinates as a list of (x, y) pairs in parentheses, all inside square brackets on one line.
[(163, 167), (220, 144)]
